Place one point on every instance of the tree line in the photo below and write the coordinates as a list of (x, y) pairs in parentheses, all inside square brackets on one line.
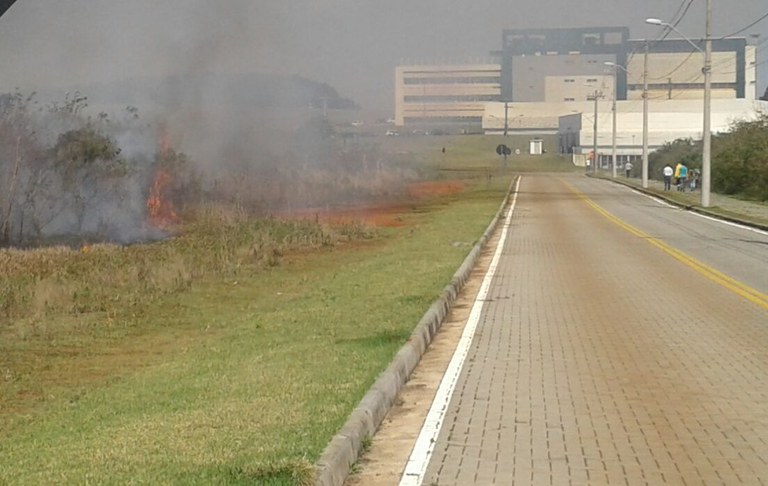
[(739, 159), (67, 177)]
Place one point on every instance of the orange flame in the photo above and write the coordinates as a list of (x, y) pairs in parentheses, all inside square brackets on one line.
[(160, 209)]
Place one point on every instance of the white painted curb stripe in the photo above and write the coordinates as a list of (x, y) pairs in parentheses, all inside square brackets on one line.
[(705, 216), (731, 223), (425, 443)]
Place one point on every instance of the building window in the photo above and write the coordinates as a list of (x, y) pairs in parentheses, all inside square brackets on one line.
[(592, 80), (569, 99), (449, 98), (590, 39), (612, 38), (569, 80)]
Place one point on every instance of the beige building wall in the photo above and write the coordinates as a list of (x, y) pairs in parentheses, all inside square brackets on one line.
[(679, 75), (577, 88), (445, 92), (667, 120), (750, 57)]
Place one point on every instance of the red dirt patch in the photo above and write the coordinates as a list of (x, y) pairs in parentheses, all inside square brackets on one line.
[(379, 215), (421, 190)]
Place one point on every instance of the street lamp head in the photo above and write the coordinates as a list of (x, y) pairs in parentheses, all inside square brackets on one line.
[(609, 63), (655, 22)]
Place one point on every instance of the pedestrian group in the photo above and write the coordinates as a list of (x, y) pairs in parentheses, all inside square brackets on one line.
[(683, 177)]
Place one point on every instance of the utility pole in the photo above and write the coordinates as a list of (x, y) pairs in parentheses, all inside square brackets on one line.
[(645, 118), (706, 150), (616, 68), (506, 117), (613, 133), (596, 95)]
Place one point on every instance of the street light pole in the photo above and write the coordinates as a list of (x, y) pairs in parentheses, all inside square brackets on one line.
[(594, 136), (615, 67), (706, 148), (506, 118)]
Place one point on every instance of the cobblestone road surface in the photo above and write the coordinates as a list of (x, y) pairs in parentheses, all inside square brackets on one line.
[(600, 359)]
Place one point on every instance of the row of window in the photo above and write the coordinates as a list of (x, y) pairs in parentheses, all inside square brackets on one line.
[(463, 80), (571, 80), (663, 86), (450, 98), (587, 39)]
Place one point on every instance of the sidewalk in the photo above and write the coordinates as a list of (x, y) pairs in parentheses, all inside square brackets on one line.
[(749, 213)]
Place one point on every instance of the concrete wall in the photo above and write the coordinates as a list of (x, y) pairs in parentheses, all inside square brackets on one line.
[(667, 121), (577, 88), (750, 78), (534, 78), (675, 69)]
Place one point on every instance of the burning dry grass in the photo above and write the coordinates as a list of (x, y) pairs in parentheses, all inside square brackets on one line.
[(241, 379), (61, 300), (200, 359), (104, 277)]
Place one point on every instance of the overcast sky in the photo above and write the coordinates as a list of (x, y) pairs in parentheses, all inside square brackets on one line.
[(353, 45)]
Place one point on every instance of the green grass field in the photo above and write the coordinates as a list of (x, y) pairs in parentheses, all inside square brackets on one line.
[(478, 152)]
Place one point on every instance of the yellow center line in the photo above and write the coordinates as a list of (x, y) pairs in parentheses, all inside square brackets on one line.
[(753, 295)]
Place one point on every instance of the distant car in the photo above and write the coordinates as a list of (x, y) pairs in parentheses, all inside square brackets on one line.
[(357, 123), (392, 133)]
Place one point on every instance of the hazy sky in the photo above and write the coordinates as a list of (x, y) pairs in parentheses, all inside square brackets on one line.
[(353, 45)]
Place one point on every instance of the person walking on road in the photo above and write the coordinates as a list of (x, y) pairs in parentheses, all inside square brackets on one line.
[(677, 175), (694, 178), (668, 172), (628, 168), (683, 178)]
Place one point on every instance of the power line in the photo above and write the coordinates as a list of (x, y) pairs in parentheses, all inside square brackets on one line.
[(673, 71), (765, 16), (668, 29)]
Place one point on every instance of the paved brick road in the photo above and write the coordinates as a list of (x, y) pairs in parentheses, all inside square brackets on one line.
[(602, 360)]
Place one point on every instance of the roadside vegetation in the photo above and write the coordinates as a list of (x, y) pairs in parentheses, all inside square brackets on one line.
[(197, 360), (232, 348), (739, 159)]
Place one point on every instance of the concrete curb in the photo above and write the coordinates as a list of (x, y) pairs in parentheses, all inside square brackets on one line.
[(344, 449), (688, 207)]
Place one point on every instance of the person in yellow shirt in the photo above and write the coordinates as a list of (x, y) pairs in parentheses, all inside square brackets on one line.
[(677, 174)]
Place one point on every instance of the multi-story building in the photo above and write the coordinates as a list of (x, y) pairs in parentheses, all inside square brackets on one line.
[(447, 94), (564, 68), (675, 69), (561, 65)]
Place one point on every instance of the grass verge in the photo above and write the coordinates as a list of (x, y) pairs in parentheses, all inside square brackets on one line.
[(227, 367), (724, 206)]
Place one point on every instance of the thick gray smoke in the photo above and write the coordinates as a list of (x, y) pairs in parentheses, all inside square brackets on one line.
[(234, 83), (353, 45)]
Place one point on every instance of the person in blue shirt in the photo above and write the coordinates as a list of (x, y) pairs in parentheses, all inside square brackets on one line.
[(683, 177)]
